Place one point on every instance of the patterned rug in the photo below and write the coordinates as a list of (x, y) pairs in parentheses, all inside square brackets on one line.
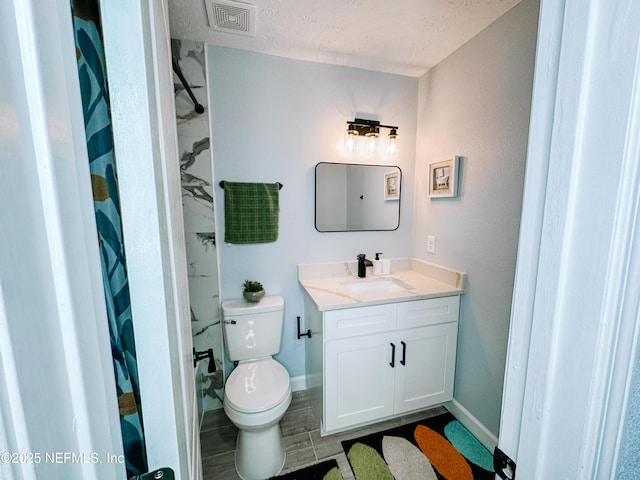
[(327, 470), (437, 448)]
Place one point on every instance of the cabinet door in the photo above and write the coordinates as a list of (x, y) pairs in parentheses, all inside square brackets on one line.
[(429, 356), (359, 380)]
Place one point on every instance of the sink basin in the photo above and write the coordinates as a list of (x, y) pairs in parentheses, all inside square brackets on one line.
[(375, 285)]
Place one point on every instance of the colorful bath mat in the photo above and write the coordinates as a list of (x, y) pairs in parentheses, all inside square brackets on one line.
[(327, 470), (437, 448)]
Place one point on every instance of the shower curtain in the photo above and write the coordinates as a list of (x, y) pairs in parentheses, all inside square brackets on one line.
[(95, 105)]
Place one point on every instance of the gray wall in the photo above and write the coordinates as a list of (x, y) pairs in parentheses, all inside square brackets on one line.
[(476, 104), (273, 120)]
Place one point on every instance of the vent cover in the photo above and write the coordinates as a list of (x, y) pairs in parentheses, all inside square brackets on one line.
[(232, 17)]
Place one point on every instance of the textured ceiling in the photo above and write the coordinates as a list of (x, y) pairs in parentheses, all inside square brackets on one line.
[(406, 37)]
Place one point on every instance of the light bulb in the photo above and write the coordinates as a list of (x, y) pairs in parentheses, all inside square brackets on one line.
[(351, 139), (392, 146), (372, 143)]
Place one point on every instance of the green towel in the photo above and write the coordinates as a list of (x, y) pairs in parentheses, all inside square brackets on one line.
[(251, 212)]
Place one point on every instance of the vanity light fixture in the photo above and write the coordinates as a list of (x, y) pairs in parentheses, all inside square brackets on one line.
[(370, 130)]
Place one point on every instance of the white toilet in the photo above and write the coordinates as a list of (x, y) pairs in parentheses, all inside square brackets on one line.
[(258, 391)]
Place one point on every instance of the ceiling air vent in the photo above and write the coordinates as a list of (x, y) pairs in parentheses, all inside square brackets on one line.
[(232, 17)]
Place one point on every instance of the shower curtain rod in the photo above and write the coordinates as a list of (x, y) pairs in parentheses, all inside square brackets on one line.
[(176, 68)]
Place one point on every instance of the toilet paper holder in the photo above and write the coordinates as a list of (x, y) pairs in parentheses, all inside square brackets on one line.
[(306, 334)]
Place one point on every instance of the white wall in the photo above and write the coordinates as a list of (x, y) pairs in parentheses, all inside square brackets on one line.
[(273, 120), (476, 104)]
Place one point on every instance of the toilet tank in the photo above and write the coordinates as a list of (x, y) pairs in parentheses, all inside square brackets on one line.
[(252, 330)]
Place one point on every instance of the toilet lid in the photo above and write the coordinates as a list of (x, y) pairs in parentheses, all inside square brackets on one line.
[(257, 385)]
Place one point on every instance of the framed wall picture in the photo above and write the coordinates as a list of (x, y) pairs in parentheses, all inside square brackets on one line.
[(443, 178), (392, 186)]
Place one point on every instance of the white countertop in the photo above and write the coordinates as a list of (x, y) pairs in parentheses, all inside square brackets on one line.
[(324, 283)]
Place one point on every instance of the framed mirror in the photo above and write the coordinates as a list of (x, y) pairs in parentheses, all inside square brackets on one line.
[(353, 197)]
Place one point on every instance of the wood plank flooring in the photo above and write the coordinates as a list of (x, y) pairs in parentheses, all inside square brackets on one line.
[(301, 433)]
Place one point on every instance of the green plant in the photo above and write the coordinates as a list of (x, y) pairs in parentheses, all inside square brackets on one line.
[(251, 286)]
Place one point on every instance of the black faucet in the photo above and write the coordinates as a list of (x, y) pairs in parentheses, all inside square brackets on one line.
[(363, 263)]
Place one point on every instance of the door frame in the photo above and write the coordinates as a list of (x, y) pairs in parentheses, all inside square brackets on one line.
[(574, 322), (138, 56)]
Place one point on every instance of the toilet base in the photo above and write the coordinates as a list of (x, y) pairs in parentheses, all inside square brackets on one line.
[(260, 454)]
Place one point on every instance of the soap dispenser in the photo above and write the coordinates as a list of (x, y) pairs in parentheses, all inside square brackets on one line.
[(377, 265)]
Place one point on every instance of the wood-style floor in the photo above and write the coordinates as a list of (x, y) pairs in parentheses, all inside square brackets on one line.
[(301, 433)]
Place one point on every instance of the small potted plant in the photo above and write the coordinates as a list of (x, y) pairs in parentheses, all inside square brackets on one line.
[(253, 291)]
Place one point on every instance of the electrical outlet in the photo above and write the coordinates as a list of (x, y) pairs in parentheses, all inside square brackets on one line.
[(431, 244)]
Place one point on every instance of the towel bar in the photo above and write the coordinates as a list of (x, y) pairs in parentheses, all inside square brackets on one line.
[(279, 185)]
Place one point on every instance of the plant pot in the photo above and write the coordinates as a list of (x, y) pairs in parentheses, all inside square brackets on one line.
[(253, 296)]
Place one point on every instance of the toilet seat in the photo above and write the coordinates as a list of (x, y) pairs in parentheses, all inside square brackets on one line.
[(257, 385)]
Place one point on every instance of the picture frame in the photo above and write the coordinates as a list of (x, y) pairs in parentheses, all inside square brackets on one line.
[(443, 178), (392, 185)]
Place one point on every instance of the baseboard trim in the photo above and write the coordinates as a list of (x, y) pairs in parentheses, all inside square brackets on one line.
[(298, 383), (482, 433)]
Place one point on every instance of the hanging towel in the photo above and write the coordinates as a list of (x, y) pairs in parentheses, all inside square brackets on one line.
[(251, 212)]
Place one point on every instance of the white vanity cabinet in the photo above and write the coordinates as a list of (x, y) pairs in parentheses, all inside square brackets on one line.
[(374, 362)]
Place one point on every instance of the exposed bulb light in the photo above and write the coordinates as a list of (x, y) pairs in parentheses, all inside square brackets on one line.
[(372, 141), (392, 147), (351, 139), (370, 130)]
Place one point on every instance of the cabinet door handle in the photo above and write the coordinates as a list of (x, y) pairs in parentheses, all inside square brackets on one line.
[(393, 356), (404, 354)]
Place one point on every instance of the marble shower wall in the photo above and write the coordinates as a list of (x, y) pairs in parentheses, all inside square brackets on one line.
[(199, 224)]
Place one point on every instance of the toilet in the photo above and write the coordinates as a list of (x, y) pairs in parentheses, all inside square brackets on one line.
[(258, 391)]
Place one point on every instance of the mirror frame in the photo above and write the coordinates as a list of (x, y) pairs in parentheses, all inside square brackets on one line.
[(315, 205)]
